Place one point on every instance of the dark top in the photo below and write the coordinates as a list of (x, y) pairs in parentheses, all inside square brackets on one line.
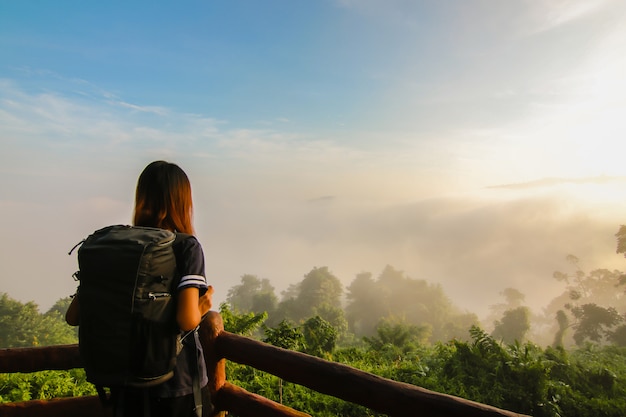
[(190, 264)]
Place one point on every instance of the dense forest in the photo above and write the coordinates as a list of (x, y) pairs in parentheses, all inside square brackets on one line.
[(567, 360)]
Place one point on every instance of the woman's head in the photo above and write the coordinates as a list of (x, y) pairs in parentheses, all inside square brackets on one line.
[(163, 198)]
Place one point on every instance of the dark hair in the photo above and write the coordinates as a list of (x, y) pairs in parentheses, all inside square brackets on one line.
[(163, 198)]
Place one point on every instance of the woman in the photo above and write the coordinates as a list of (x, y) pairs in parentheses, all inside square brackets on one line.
[(163, 199)]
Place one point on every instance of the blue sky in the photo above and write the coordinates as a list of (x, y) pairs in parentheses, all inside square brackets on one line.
[(315, 130)]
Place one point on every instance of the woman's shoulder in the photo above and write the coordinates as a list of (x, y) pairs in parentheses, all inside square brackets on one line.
[(185, 243), (189, 255)]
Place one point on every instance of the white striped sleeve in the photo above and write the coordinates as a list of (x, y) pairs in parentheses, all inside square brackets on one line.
[(197, 281)]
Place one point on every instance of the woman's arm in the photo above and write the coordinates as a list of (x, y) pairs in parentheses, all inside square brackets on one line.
[(191, 307), (72, 315)]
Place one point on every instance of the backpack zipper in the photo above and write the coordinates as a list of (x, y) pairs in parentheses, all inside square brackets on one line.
[(154, 295)]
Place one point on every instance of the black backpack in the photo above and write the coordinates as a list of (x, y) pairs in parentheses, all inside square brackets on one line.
[(128, 335)]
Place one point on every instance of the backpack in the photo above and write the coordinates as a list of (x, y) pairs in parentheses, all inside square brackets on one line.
[(128, 335)]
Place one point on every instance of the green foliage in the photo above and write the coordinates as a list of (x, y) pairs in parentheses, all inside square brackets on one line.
[(318, 293), (243, 324), (60, 306), (320, 337), (394, 294), (335, 317), (320, 287), (513, 326), (286, 335), (594, 322), (592, 380), (44, 385), (513, 299), (21, 324), (563, 322), (393, 332), (292, 395), (586, 382), (618, 336), (591, 304), (253, 295), (514, 378), (524, 378)]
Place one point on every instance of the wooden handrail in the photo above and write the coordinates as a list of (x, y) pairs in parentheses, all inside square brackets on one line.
[(60, 357), (380, 394), (66, 407)]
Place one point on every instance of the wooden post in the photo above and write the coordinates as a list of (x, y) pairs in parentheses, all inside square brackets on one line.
[(210, 328)]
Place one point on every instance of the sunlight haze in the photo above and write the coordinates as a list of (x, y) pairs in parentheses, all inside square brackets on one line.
[(473, 144)]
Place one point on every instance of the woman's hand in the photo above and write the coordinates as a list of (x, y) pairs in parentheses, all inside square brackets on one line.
[(206, 301)]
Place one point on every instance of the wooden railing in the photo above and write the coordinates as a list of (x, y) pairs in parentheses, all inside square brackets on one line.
[(338, 380)]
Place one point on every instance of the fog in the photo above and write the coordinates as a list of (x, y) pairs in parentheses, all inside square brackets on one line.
[(474, 245)]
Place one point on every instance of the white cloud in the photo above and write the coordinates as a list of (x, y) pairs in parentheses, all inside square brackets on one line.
[(159, 111), (550, 15)]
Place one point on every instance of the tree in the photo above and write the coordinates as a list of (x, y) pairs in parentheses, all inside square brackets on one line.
[(513, 326), (243, 324), (320, 336), (594, 322), (287, 336), (21, 325), (288, 309), (60, 306), (364, 307), (512, 299), (395, 294), (621, 248), (563, 322), (252, 295), (597, 286), (618, 336), (621, 240), (457, 325), (264, 302), (590, 303), (335, 316), (318, 288), (395, 332)]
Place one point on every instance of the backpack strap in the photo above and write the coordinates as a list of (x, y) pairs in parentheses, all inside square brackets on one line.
[(195, 365), (197, 394)]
